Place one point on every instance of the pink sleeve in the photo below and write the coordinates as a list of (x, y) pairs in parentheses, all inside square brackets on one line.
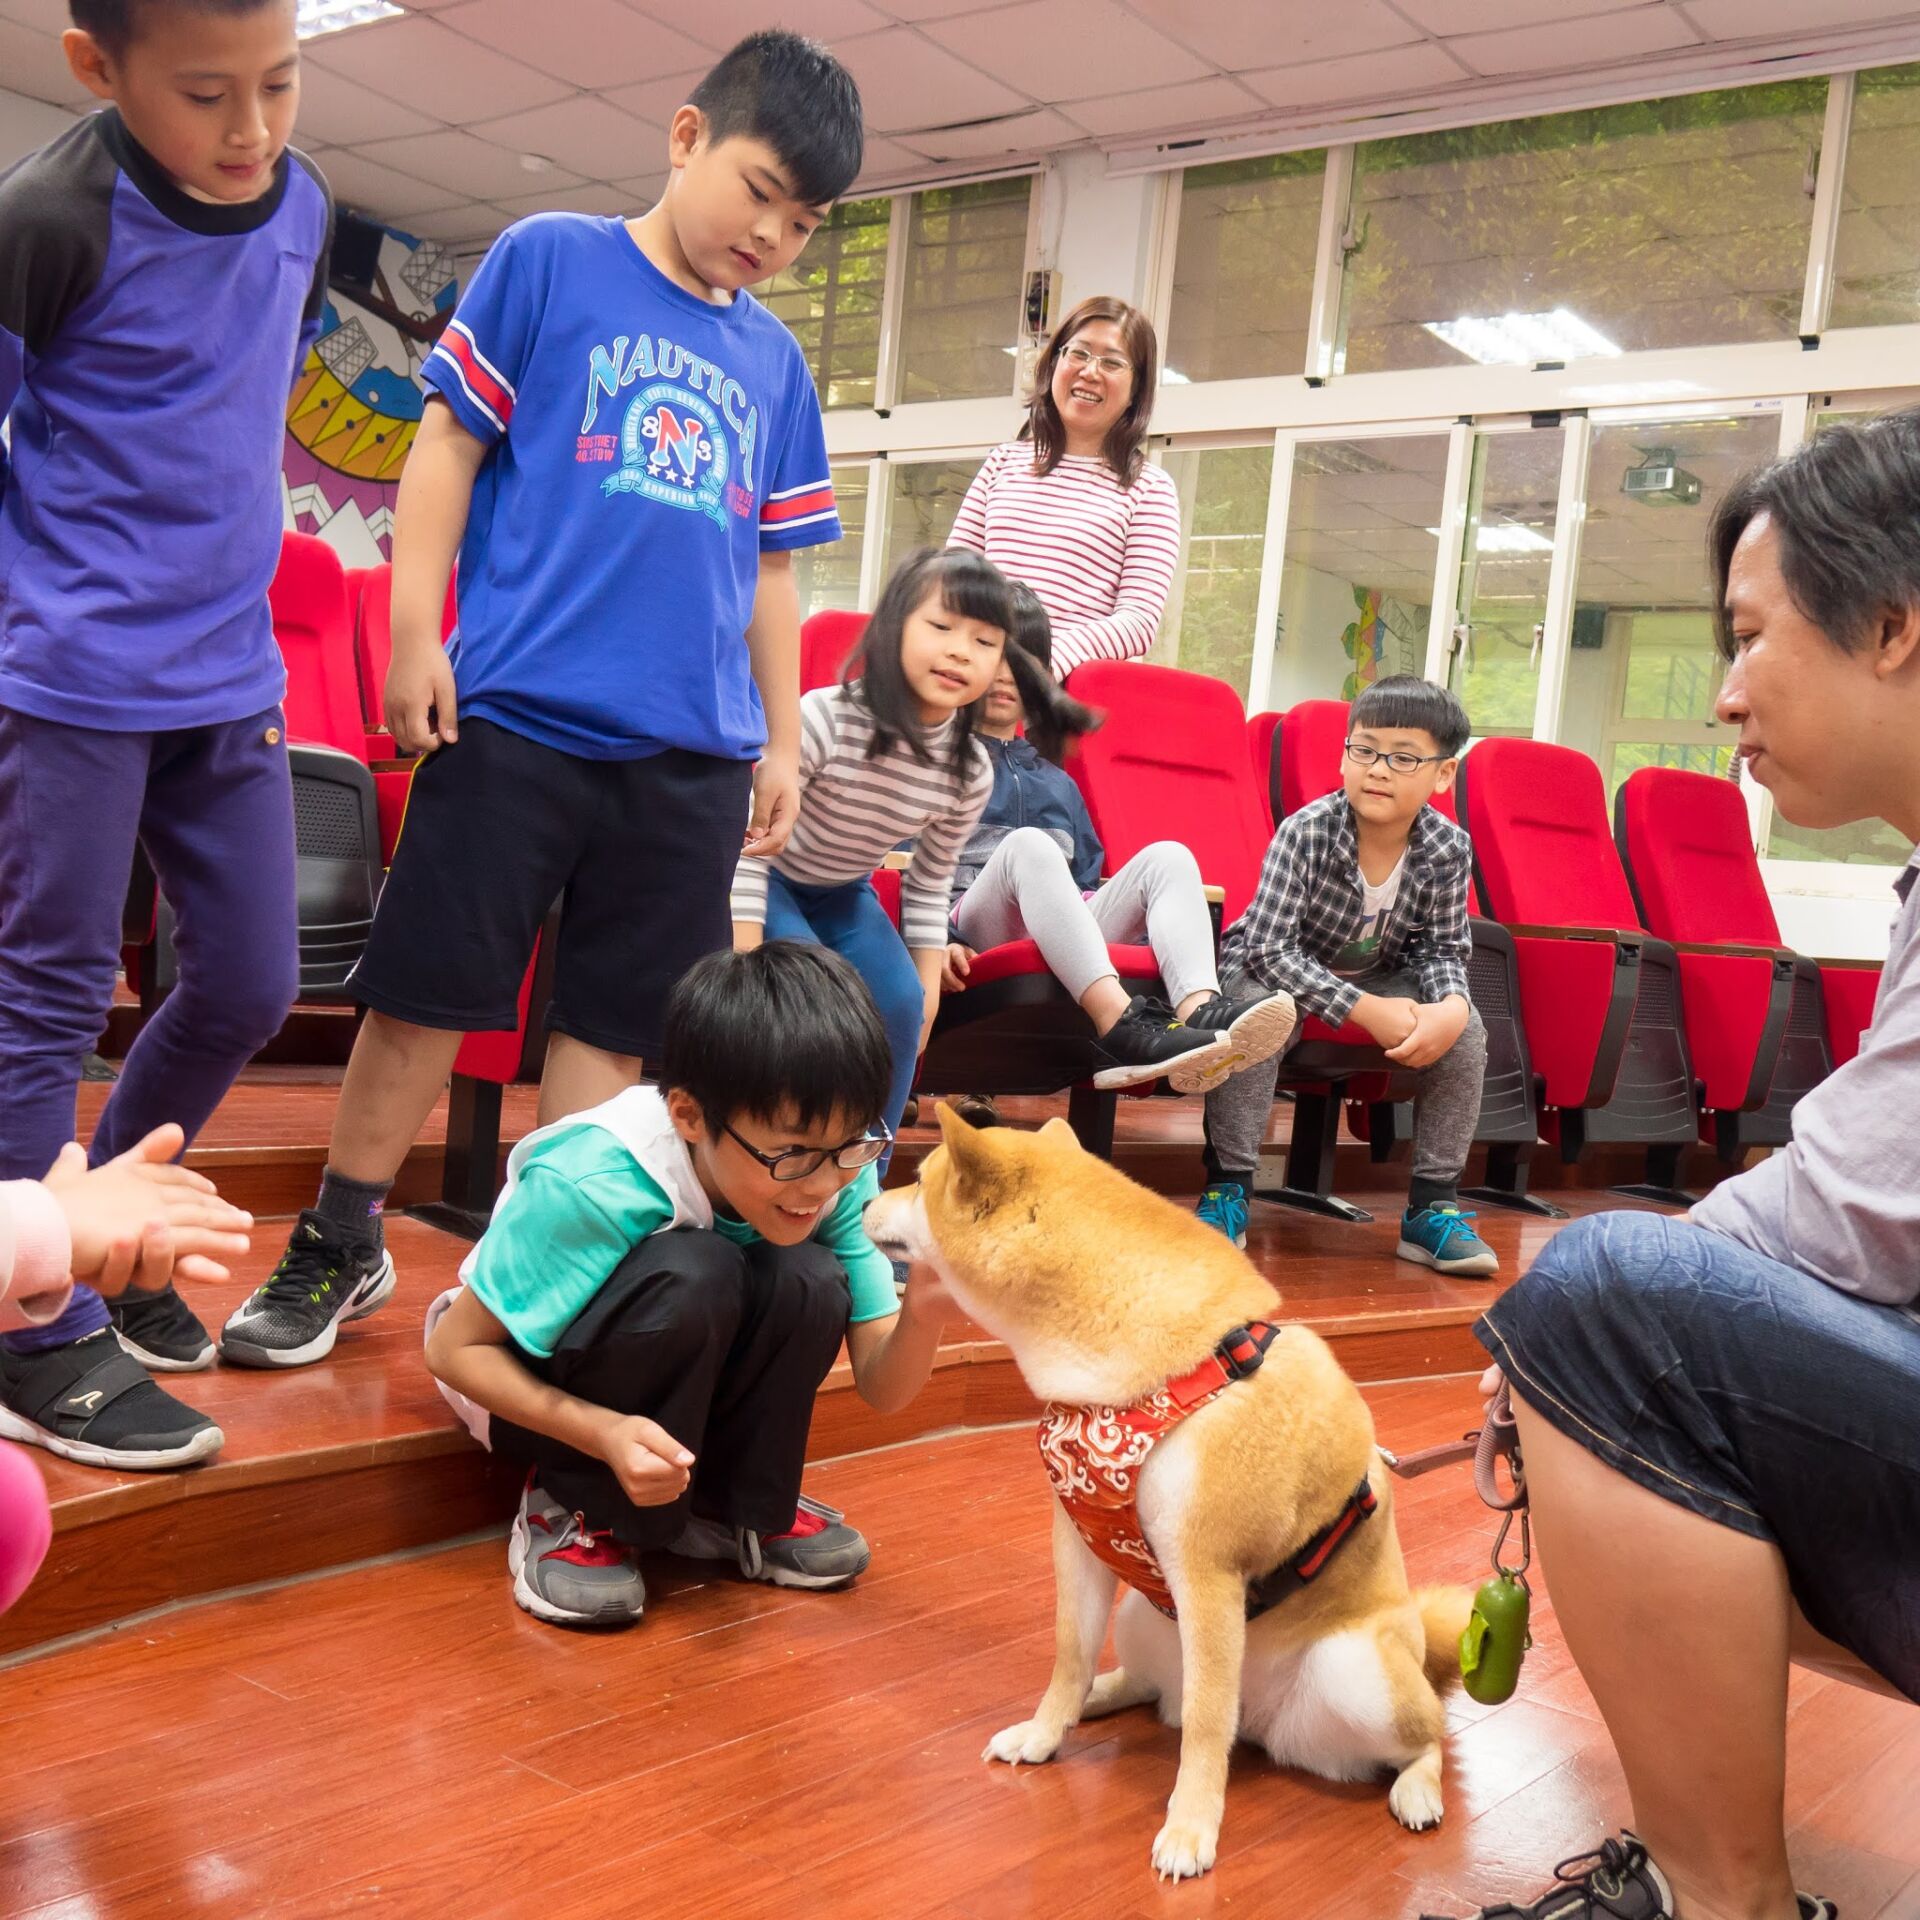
[(970, 523), (34, 1256), (1146, 578)]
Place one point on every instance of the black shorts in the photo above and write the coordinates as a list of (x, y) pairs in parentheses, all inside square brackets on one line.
[(640, 853)]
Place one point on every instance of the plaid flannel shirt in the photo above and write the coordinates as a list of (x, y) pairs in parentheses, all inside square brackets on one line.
[(1309, 905)]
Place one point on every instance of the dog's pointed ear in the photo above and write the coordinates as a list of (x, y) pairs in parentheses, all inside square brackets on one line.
[(970, 1156), (1057, 1129), (955, 1133)]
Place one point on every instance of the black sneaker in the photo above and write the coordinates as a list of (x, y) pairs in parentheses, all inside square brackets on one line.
[(1146, 1041), (293, 1318), (161, 1331), (91, 1401), (1256, 1027)]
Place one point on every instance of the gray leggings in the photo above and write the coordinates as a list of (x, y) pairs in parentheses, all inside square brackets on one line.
[(1026, 891), (1446, 1102)]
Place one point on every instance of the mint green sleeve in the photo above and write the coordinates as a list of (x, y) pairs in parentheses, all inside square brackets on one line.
[(869, 1271), (580, 1205)]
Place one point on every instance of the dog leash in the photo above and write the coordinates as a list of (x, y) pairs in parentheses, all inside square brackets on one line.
[(1496, 1639)]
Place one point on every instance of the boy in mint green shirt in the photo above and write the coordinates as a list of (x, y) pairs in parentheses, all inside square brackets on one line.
[(667, 1280)]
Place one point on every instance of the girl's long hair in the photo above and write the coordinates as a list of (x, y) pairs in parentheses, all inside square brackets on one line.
[(1053, 716), (1125, 448)]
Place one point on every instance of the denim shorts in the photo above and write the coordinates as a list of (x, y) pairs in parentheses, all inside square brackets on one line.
[(1745, 1391)]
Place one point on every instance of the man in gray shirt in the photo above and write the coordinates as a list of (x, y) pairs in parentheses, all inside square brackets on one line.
[(1718, 1414)]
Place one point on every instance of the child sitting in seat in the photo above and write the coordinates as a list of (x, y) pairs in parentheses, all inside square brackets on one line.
[(1361, 915), (666, 1282), (1032, 872)]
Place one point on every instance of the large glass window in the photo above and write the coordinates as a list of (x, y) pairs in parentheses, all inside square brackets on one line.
[(960, 310), (1208, 626), (923, 502), (1356, 581), (1876, 260), (1243, 267), (831, 298), (1659, 224), (830, 576)]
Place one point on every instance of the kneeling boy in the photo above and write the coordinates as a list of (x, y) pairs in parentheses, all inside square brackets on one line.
[(1361, 915), (666, 1282)]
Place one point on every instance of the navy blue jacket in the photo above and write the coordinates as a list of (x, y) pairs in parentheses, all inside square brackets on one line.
[(1031, 792)]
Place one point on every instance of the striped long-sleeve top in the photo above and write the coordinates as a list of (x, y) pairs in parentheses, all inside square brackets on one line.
[(1099, 555), (854, 809)]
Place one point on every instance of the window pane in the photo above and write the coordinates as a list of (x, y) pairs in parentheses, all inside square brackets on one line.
[(1243, 267), (830, 576), (1356, 583), (1208, 625), (960, 316), (1659, 224), (1866, 843), (1876, 259), (926, 496), (830, 297)]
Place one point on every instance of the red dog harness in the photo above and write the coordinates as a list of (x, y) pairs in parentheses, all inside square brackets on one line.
[(1093, 1456)]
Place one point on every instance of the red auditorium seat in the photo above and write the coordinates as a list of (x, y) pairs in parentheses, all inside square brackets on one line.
[(1754, 1010), (826, 639), (1263, 738), (1599, 995)]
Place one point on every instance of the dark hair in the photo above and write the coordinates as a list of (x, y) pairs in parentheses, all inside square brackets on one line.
[(1053, 716), (792, 93), (114, 23), (1406, 701), (786, 1025), (971, 587), (1125, 449), (1845, 512)]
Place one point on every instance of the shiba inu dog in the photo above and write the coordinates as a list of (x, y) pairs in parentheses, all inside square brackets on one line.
[(1258, 1485)]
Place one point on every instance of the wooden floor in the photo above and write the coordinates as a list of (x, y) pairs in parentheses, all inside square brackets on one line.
[(402, 1741)]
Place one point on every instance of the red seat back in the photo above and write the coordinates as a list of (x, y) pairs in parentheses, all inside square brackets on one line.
[(373, 643), (826, 639), (1541, 846), (1313, 737), (312, 624), (1690, 858), (1262, 730), (1171, 764)]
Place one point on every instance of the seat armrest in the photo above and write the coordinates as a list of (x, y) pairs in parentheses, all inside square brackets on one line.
[(1727, 949), (1607, 936), (897, 861)]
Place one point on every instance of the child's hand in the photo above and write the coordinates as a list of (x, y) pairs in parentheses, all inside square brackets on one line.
[(953, 970), (650, 1464), (139, 1220), (1391, 1022), (1435, 1029), (421, 705), (926, 1297), (776, 805)]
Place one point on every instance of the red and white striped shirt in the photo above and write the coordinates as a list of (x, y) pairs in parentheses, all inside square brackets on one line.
[(1099, 555)]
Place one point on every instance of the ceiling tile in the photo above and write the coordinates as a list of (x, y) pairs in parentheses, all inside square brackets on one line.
[(595, 43), (642, 190), (34, 65), (887, 160), (910, 83), (1738, 19), (587, 136), (464, 164), (655, 101), (1165, 109), (935, 9), (718, 24), (1360, 76), (441, 72), (1239, 37), (1481, 16), (379, 190), (1034, 132), (1573, 44), (592, 198), (49, 16), (1065, 49), (341, 113), (472, 223)]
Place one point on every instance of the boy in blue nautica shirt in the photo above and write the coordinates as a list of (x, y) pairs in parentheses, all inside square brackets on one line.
[(162, 272), (626, 448)]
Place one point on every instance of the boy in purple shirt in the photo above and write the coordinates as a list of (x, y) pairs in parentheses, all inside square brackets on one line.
[(162, 272)]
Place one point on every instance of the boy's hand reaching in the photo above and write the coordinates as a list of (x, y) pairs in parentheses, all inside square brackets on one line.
[(421, 706), (953, 971), (139, 1220), (650, 1464), (1435, 1029), (776, 805)]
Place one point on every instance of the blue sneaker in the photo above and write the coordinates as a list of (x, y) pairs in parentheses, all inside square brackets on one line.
[(1443, 1238), (1224, 1206)]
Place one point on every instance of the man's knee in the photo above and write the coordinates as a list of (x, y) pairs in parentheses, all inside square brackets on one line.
[(1593, 1258), (234, 999)]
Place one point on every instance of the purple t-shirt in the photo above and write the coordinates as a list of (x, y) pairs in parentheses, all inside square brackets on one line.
[(148, 342)]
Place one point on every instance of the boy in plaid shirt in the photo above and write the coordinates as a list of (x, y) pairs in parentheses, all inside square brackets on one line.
[(1361, 915)]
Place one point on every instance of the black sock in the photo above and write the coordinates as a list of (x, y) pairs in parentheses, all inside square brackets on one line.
[(356, 1207), (1422, 1194)]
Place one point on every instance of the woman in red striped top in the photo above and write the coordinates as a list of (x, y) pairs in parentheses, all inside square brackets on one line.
[(1072, 507)]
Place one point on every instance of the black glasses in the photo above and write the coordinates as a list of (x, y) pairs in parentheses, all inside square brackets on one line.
[(1363, 755), (796, 1163)]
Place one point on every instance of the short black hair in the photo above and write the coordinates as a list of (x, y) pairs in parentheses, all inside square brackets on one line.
[(1053, 716), (792, 93), (1845, 511), (1405, 701), (114, 23), (784, 1026), (972, 588)]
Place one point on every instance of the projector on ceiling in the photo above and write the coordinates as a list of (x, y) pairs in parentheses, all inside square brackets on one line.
[(1658, 481)]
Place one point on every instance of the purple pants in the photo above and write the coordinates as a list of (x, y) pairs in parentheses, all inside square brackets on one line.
[(213, 806)]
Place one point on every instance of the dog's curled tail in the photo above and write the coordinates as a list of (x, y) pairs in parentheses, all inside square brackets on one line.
[(1444, 1612)]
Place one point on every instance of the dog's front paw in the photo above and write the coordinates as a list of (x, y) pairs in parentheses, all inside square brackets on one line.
[(1415, 1798), (1183, 1849), (1030, 1744)]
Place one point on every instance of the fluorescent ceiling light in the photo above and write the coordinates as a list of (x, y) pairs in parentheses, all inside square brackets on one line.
[(330, 16), (1173, 377), (1506, 536), (1523, 339)]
